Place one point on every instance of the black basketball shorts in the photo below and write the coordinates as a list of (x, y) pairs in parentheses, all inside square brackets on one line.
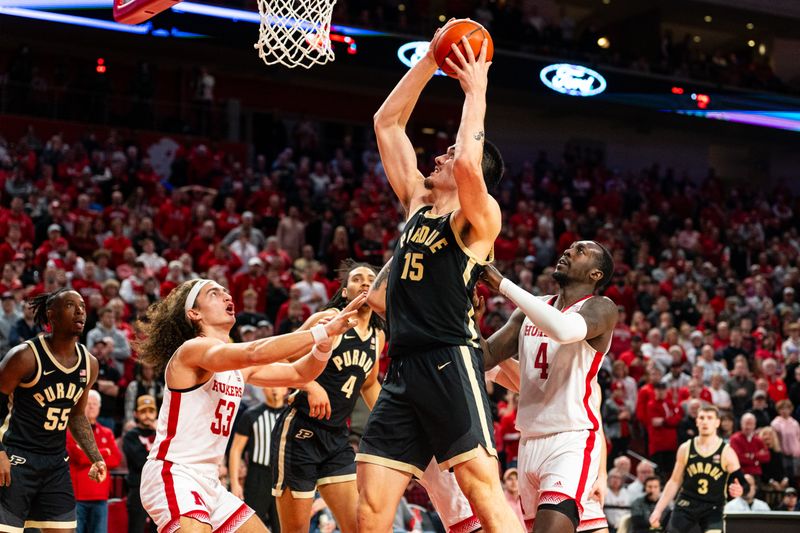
[(433, 404), (305, 454), (40, 495), (688, 512)]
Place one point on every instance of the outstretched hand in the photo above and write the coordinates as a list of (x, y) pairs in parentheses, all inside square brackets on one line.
[(344, 320), (472, 72)]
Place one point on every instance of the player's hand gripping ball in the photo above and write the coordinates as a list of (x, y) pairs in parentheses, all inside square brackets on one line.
[(451, 33)]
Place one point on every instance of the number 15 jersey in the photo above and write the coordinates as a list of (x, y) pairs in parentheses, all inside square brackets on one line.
[(558, 389), (194, 424)]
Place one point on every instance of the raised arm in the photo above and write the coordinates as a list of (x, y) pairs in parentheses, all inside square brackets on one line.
[(481, 210), (397, 153), (672, 486), (597, 317), (312, 321), (215, 356), (376, 297)]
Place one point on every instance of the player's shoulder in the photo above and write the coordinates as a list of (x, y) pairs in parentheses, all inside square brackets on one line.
[(20, 355)]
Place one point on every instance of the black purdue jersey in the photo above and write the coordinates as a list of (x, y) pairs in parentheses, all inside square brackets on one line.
[(429, 295), (347, 369), (37, 413), (704, 478)]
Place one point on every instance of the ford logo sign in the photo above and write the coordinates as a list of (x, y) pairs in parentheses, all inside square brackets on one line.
[(573, 80), (411, 53)]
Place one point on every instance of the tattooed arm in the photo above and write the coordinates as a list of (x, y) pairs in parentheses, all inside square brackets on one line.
[(82, 431), (376, 297)]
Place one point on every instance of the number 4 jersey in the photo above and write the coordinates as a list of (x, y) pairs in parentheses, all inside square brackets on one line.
[(194, 424), (559, 390)]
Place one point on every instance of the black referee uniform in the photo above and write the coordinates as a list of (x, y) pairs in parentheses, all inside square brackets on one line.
[(256, 424)]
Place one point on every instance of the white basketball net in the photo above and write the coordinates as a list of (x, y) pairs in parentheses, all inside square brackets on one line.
[(295, 33)]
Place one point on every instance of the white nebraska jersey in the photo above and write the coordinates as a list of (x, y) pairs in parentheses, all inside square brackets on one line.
[(194, 425), (558, 389)]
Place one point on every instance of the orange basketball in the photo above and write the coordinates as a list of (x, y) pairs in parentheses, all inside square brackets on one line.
[(452, 32)]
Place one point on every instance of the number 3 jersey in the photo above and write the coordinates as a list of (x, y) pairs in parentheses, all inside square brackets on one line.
[(347, 369), (194, 424), (558, 389), (36, 416), (429, 294)]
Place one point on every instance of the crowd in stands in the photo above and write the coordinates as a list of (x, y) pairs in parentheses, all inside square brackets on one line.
[(706, 277)]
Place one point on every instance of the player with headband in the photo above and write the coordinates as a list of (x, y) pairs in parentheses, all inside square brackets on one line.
[(187, 335)]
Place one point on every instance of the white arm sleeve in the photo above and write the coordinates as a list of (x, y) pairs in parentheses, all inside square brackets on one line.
[(562, 328)]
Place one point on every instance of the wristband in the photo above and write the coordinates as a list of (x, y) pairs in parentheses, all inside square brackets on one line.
[(319, 355), (319, 333)]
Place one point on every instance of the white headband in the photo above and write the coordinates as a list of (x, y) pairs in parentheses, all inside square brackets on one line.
[(192, 298)]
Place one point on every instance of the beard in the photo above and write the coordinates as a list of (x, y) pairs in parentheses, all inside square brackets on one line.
[(561, 278), (428, 183)]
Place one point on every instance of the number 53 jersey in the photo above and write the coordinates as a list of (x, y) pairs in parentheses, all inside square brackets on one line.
[(194, 424), (558, 390)]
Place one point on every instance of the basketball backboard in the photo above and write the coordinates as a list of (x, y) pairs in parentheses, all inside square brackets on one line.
[(137, 11)]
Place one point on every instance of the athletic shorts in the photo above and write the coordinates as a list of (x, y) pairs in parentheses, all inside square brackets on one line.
[(308, 454), (40, 495), (448, 500), (593, 517), (432, 404), (170, 491), (688, 512), (557, 467)]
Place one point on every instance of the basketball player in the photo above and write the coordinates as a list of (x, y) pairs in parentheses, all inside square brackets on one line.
[(42, 385), (433, 403), (187, 335), (447, 498), (561, 340), (310, 441), (702, 469)]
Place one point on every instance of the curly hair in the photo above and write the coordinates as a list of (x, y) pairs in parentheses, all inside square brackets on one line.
[(41, 303), (338, 301), (165, 327)]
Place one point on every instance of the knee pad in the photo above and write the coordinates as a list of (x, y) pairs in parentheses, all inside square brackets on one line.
[(568, 508)]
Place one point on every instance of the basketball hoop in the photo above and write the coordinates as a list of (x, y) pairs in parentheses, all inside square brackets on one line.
[(295, 33)]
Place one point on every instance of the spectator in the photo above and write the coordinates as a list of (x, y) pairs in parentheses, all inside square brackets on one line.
[(740, 387), (709, 365), (749, 447), (661, 419), (654, 351), (249, 315), (9, 316), (617, 420), (634, 358), (642, 507), (788, 432), (747, 502), (92, 497), (254, 279), (773, 473), (108, 381), (727, 425), (761, 409), (618, 500), (311, 293), (791, 346), (507, 431), (644, 470), (788, 305), (107, 329), (291, 233), (136, 445), (256, 235), (789, 502), (676, 378), (619, 372), (133, 284), (777, 387), (511, 490), (25, 328), (687, 428), (146, 383), (719, 396)]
